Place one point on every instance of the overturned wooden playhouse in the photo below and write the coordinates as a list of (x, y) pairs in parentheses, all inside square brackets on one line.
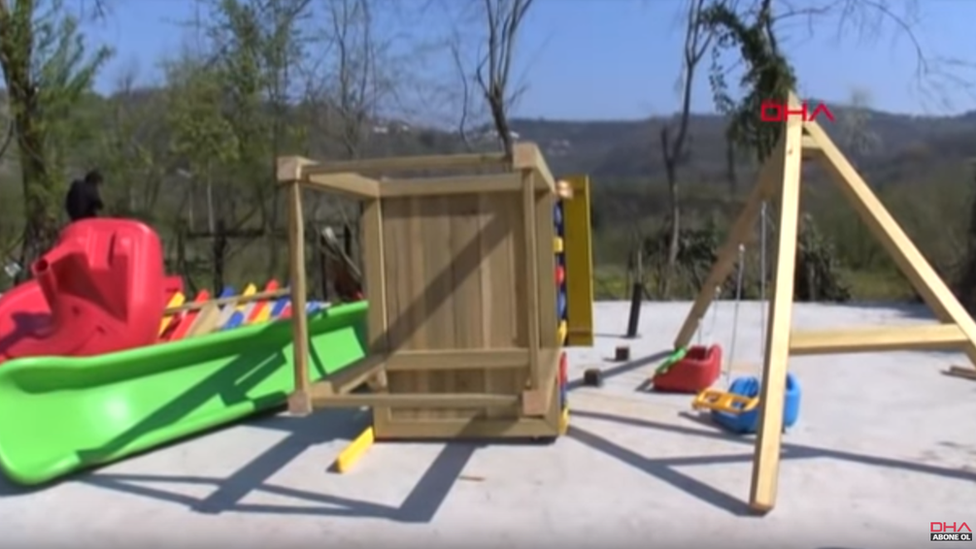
[(464, 339)]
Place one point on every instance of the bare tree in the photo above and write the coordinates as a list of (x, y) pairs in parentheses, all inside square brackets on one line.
[(464, 101), (348, 87), (359, 82), (129, 149), (674, 135), (504, 18)]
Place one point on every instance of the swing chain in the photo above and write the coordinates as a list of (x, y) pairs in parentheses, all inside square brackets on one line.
[(735, 312)]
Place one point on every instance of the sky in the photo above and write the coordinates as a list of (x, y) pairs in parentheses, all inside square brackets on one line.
[(620, 59)]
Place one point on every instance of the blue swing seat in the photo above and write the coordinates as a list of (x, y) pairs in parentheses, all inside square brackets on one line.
[(748, 422)]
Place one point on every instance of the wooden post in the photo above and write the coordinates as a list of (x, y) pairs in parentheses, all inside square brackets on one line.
[(300, 401), (636, 291), (375, 278), (323, 266), (531, 277), (772, 393)]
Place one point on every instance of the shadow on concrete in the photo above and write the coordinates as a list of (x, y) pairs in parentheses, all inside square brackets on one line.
[(9, 489), (620, 336), (664, 469), (419, 506), (624, 368)]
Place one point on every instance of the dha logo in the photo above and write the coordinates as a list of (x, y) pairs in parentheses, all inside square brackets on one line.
[(777, 111), (950, 531)]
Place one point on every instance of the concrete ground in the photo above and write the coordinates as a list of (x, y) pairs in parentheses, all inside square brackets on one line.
[(884, 446)]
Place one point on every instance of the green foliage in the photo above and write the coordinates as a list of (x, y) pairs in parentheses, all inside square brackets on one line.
[(48, 74), (697, 250), (132, 156), (767, 74), (817, 267), (64, 72), (198, 130)]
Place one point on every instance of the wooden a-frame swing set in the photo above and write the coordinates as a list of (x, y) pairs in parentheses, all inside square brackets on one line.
[(781, 175)]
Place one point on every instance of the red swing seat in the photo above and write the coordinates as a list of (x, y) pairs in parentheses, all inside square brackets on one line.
[(697, 371)]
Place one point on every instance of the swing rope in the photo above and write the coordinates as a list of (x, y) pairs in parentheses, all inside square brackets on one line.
[(680, 353), (735, 313), (727, 401)]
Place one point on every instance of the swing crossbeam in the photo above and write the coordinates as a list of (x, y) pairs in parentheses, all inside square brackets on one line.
[(722, 401), (870, 340)]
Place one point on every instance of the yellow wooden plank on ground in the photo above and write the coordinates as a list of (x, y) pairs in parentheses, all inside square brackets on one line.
[(348, 457)]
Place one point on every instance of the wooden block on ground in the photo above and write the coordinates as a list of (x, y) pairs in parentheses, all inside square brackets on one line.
[(964, 372)]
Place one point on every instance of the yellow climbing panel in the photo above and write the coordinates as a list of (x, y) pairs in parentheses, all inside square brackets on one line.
[(579, 262), (722, 401)]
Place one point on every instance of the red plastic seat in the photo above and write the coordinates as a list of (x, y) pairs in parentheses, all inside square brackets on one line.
[(697, 371), (100, 289)]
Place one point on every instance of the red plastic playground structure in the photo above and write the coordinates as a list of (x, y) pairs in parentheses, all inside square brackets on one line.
[(96, 291)]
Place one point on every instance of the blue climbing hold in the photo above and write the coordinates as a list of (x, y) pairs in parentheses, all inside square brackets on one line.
[(748, 422), (234, 321), (561, 303), (279, 307), (557, 216)]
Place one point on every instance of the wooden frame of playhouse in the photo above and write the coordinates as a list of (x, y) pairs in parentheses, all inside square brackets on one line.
[(780, 176), (462, 328)]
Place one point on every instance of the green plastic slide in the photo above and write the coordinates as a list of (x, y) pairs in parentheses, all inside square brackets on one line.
[(59, 415)]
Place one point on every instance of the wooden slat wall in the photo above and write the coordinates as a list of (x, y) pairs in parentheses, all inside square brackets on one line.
[(453, 271)]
